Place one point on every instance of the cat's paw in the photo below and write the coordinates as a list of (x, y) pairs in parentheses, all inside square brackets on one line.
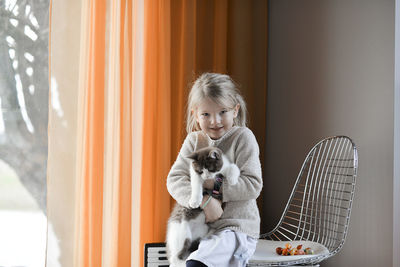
[(194, 203), (233, 174)]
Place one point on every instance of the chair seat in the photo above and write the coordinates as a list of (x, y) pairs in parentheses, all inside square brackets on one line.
[(266, 252)]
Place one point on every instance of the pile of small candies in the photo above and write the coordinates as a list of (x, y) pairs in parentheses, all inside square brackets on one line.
[(288, 250)]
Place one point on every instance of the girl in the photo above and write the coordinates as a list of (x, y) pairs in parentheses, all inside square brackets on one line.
[(216, 116)]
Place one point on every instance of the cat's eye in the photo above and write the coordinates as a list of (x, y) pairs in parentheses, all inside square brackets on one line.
[(200, 172)]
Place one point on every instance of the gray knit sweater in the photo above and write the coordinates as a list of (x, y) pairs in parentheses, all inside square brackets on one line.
[(239, 146)]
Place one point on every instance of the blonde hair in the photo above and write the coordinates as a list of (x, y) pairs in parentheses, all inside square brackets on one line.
[(221, 89)]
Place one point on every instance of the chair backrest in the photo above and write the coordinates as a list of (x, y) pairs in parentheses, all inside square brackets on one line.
[(320, 203)]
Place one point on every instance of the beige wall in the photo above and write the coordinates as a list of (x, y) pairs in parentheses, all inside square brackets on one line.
[(331, 71)]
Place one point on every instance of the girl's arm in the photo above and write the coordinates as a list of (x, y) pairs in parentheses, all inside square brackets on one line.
[(247, 159), (178, 183), (178, 180), (213, 210)]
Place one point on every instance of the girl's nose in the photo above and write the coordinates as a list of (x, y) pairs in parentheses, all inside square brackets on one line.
[(215, 119)]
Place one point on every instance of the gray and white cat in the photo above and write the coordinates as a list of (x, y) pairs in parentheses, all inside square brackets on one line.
[(187, 225)]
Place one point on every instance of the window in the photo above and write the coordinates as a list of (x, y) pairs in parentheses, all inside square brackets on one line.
[(24, 90)]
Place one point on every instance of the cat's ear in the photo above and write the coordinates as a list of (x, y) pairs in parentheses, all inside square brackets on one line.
[(214, 154), (194, 156)]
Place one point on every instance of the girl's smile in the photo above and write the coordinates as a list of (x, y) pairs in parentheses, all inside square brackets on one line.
[(217, 129)]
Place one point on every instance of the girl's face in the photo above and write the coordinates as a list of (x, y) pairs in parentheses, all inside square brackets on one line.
[(215, 120)]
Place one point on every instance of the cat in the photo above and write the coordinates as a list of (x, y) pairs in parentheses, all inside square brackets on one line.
[(186, 226)]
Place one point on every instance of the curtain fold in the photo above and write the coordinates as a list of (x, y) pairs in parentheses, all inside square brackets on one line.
[(137, 127), (118, 138), (156, 156), (90, 141), (104, 166), (123, 71)]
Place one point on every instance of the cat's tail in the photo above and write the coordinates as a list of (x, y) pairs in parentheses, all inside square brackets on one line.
[(184, 253), (179, 259)]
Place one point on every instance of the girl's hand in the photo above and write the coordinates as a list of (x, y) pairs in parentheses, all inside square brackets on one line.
[(213, 210), (209, 184)]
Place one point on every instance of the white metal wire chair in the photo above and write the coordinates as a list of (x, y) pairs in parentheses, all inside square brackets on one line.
[(320, 204)]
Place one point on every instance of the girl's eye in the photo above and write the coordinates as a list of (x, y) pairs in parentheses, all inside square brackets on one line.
[(205, 114), (224, 111)]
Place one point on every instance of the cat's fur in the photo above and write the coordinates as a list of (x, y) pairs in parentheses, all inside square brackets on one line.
[(187, 225)]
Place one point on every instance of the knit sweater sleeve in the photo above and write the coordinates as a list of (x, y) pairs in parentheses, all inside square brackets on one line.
[(178, 180), (247, 159)]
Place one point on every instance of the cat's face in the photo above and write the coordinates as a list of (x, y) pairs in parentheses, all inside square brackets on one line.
[(207, 161)]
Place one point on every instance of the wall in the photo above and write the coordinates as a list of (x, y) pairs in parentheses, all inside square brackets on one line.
[(331, 72), (396, 160)]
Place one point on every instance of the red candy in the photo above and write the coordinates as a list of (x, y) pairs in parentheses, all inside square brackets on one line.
[(288, 250)]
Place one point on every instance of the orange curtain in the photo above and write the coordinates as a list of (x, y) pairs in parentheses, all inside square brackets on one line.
[(123, 71), (90, 140), (93, 73), (155, 204), (104, 174)]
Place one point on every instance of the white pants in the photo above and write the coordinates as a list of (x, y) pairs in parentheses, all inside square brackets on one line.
[(225, 249)]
